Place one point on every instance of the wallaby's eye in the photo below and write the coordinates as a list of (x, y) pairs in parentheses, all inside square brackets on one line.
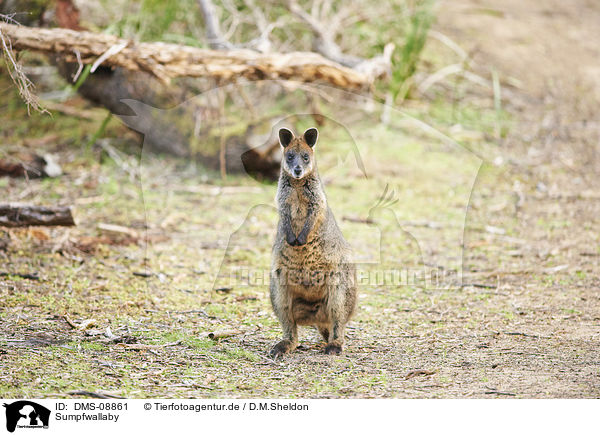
[(305, 157), (290, 157)]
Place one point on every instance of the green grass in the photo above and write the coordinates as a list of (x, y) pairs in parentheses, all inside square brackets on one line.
[(406, 59)]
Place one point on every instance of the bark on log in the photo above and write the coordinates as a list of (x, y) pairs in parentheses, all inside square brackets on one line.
[(166, 61), (21, 215)]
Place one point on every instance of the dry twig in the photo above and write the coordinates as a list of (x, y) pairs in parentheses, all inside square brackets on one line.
[(15, 70)]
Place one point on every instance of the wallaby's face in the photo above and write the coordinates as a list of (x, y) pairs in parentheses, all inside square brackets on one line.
[(298, 155)]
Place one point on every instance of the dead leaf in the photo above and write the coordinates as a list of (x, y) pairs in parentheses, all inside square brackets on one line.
[(39, 233)]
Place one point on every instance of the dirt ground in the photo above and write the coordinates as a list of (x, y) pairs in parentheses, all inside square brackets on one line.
[(552, 49), (525, 323)]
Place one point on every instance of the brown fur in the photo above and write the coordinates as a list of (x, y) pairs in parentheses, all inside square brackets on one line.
[(312, 279)]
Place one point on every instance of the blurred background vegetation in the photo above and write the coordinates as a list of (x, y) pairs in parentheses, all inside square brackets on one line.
[(424, 66)]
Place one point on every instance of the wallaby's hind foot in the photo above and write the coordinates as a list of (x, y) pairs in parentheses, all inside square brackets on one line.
[(281, 348), (333, 349)]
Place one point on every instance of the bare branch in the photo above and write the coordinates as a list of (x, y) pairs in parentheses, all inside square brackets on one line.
[(378, 66), (257, 13), (215, 38), (262, 43), (108, 53), (233, 19), (79, 66), (324, 39), (324, 42)]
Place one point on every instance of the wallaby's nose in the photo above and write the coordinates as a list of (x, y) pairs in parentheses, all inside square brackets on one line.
[(297, 171)]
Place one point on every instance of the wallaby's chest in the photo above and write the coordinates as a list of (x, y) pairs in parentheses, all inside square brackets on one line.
[(299, 205)]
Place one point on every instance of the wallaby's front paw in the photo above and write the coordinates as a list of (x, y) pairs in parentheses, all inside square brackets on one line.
[(281, 348), (301, 240), (291, 239), (333, 349)]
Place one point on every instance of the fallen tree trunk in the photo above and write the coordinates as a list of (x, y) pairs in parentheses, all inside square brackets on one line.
[(22, 215), (166, 61)]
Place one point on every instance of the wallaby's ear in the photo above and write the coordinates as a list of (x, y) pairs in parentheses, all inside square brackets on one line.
[(310, 136), (285, 137)]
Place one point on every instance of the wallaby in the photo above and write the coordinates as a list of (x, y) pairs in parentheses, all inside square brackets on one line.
[(313, 281)]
